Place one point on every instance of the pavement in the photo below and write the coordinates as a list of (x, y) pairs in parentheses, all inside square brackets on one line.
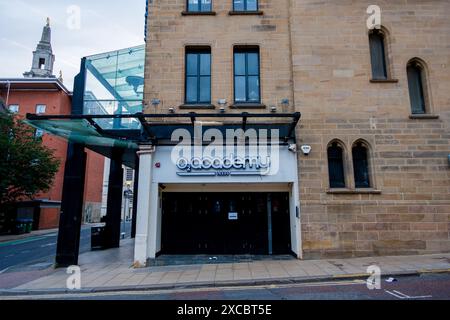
[(112, 271), (24, 258)]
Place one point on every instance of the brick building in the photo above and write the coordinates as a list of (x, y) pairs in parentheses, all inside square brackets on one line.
[(41, 92)]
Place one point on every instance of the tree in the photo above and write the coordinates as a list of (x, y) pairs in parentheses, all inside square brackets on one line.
[(27, 167)]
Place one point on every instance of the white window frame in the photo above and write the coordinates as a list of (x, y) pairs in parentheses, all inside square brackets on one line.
[(39, 133), (16, 107), (39, 107)]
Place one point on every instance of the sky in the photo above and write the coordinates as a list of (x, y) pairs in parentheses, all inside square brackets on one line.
[(79, 28)]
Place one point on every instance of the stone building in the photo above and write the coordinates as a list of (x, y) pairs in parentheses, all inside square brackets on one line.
[(43, 57), (375, 106)]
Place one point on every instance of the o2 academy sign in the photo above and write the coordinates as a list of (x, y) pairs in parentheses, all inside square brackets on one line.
[(224, 167)]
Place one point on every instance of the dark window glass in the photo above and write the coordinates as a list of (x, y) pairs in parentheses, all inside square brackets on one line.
[(246, 76), (361, 166), (336, 166), (198, 76), (239, 64), (245, 5), (252, 5), (378, 55), (41, 63), (239, 5), (416, 92), (240, 90), (199, 5)]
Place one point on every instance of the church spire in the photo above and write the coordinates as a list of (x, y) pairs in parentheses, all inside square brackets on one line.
[(43, 58)]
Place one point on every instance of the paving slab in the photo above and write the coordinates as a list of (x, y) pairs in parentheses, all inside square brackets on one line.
[(111, 270)]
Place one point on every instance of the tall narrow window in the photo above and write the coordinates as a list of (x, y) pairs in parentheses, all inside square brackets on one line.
[(199, 5), (378, 55), (361, 166), (416, 88), (246, 75), (198, 76), (336, 166), (245, 5)]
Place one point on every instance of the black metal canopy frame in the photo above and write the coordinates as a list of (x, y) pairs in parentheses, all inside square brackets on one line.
[(160, 132)]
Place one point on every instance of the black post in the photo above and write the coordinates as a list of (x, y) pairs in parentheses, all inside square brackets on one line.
[(114, 204), (135, 198), (67, 249), (71, 207)]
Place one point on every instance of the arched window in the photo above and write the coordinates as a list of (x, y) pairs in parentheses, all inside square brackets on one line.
[(378, 55), (361, 165), (417, 87), (336, 166)]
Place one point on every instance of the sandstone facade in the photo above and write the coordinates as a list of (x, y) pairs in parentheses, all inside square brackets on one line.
[(316, 54)]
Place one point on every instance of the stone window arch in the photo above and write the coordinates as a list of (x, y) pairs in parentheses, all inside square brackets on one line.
[(361, 165), (419, 90), (379, 42), (336, 164)]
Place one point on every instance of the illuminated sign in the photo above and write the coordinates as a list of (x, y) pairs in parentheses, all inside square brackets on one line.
[(227, 166)]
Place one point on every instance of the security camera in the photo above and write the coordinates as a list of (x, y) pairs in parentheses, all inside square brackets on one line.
[(293, 148), (306, 150)]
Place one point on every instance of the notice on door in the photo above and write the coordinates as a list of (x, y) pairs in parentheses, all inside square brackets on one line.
[(232, 216)]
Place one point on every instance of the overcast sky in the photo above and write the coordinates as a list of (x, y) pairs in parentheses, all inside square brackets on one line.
[(79, 28)]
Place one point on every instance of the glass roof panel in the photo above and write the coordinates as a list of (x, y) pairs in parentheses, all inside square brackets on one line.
[(80, 131), (115, 82)]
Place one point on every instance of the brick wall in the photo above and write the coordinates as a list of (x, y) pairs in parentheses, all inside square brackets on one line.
[(58, 102)]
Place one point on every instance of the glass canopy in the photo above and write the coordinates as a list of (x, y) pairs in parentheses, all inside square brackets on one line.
[(81, 131), (115, 86)]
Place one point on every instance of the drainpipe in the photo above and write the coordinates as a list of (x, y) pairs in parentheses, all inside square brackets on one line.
[(7, 93)]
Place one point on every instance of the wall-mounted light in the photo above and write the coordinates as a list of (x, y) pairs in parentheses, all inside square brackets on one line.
[(273, 109), (171, 110), (222, 102)]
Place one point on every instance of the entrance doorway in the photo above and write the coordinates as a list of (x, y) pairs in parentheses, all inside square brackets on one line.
[(226, 223)]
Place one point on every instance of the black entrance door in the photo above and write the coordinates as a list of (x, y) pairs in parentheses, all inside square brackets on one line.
[(225, 223)]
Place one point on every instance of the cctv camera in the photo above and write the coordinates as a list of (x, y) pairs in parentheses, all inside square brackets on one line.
[(306, 150), (293, 148)]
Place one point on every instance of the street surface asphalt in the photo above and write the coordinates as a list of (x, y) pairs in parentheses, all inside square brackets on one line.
[(424, 287)]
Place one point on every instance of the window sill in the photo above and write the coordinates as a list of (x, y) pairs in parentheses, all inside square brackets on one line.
[(354, 191), (246, 13), (198, 13), (248, 106), (423, 116), (384, 80), (197, 106)]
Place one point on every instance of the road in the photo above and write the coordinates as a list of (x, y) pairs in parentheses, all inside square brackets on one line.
[(424, 287), (40, 250)]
